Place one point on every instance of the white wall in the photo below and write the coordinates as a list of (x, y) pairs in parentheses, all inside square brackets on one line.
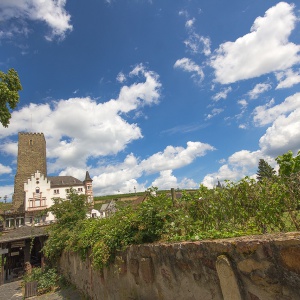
[(46, 194)]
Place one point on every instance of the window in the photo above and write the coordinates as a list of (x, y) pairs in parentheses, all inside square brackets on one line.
[(79, 189), (30, 142), (37, 190), (9, 222), (67, 190), (19, 221), (56, 191), (89, 187)]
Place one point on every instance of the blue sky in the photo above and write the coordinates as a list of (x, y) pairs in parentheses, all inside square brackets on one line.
[(152, 93)]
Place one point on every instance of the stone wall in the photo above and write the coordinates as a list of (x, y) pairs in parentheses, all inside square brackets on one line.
[(255, 267)]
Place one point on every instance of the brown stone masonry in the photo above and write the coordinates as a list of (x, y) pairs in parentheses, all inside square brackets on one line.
[(265, 267), (31, 157)]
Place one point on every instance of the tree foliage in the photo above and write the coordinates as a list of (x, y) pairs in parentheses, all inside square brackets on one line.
[(241, 208), (9, 94), (264, 170), (288, 164), (69, 213)]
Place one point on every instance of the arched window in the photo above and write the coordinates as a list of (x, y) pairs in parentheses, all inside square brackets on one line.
[(37, 190)]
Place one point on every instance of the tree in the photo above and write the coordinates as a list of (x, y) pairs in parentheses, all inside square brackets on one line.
[(9, 97), (264, 170), (288, 164), (68, 213)]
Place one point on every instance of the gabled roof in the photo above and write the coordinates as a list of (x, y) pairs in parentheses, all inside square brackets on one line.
[(64, 181)]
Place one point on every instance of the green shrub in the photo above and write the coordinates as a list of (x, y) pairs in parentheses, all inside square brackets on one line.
[(47, 280), (241, 208)]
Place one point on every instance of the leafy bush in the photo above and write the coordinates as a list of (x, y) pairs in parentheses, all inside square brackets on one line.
[(48, 279), (241, 208)]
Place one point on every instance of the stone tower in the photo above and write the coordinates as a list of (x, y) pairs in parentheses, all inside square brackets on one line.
[(31, 157)]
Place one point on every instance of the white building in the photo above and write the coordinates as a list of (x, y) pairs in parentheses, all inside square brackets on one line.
[(40, 191)]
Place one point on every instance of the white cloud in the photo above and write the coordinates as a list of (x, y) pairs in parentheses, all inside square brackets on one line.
[(264, 115), (121, 77), (243, 103), (287, 78), (52, 12), (214, 112), (240, 164), (81, 127), (190, 23), (265, 49), (175, 157), (167, 180), (183, 13), (5, 169), (188, 65), (7, 190), (283, 135), (120, 176), (223, 94), (259, 89), (197, 43), (245, 158)]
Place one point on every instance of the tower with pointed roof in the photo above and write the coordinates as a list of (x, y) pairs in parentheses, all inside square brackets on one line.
[(89, 188)]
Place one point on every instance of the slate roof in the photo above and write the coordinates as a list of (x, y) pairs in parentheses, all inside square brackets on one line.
[(87, 176), (64, 181), (22, 233)]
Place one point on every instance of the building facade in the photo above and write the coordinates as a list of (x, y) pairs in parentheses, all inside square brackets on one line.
[(34, 190)]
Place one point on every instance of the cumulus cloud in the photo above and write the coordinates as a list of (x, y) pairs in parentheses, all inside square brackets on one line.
[(51, 12), (175, 157), (188, 65), (121, 176), (283, 135), (81, 127), (167, 180), (239, 165), (5, 169), (267, 40), (287, 78), (265, 114), (259, 89)]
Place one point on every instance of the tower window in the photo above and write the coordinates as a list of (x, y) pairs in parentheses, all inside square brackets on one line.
[(30, 142)]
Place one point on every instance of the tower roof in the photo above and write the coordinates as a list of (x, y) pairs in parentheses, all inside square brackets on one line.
[(88, 177)]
